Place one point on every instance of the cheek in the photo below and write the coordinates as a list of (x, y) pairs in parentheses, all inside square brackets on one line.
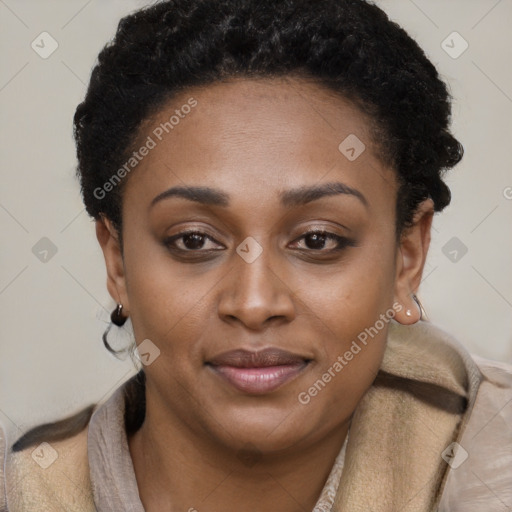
[(350, 297), (333, 394), (352, 313), (167, 303), (351, 351)]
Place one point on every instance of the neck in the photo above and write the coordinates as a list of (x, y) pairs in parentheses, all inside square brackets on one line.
[(176, 469)]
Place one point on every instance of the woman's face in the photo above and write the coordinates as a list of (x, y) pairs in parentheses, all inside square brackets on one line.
[(259, 165)]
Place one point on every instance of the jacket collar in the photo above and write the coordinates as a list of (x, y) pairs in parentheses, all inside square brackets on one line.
[(394, 458)]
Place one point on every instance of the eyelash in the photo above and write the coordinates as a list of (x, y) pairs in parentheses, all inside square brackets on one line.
[(342, 241)]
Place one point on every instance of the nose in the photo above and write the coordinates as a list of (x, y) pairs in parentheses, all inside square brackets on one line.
[(256, 294)]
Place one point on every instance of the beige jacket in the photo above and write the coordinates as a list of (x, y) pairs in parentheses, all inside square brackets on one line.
[(400, 454)]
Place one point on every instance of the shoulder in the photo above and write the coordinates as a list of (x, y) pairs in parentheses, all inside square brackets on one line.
[(496, 372), (493, 404), (49, 477), (479, 456), (47, 469), (480, 474)]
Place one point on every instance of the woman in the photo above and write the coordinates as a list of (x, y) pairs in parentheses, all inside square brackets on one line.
[(263, 177)]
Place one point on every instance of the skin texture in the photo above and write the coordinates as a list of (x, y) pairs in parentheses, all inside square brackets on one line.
[(205, 444)]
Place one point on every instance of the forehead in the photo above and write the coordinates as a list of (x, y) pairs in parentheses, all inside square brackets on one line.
[(255, 137)]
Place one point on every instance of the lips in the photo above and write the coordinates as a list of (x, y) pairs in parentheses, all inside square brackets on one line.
[(260, 359), (258, 372)]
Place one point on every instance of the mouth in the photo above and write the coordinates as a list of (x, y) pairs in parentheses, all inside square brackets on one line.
[(259, 372)]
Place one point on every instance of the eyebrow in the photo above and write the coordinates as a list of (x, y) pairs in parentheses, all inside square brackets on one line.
[(289, 198)]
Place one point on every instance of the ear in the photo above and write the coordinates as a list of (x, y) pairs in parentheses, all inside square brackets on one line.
[(411, 257), (108, 239)]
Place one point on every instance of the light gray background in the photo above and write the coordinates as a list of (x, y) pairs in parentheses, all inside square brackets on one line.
[(53, 313)]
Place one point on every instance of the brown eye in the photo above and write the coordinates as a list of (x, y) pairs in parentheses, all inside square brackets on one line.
[(194, 241), (189, 241), (322, 242), (317, 240)]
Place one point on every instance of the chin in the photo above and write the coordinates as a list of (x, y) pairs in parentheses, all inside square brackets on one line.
[(267, 430)]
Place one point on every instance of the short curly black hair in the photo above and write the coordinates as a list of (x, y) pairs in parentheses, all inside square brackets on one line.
[(349, 46)]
